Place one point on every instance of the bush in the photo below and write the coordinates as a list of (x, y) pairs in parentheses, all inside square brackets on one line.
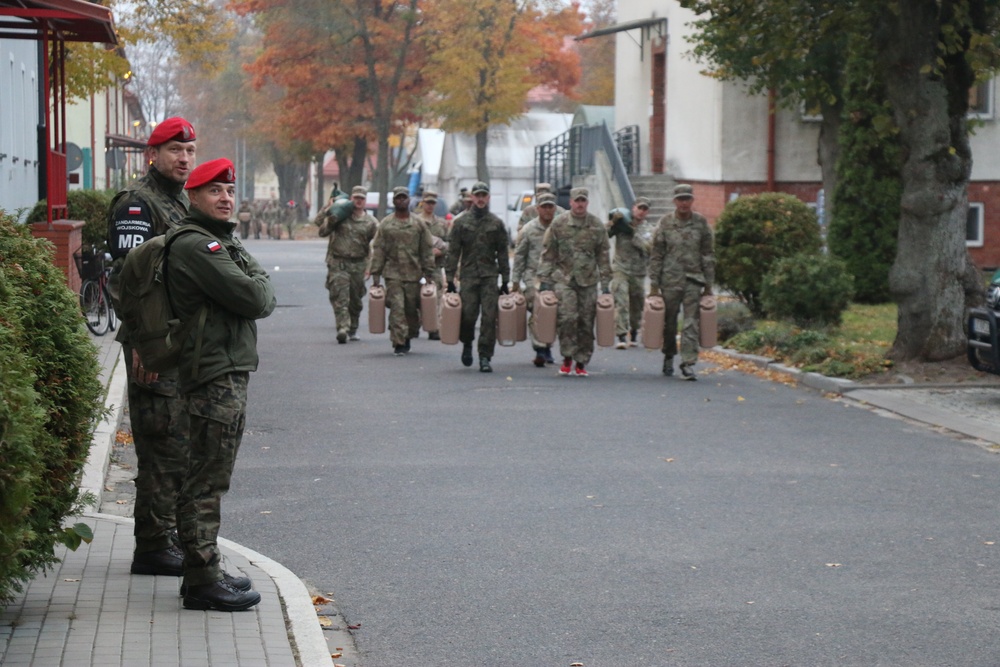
[(733, 318), (809, 290), (754, 232), (91, 206), (51, 395)]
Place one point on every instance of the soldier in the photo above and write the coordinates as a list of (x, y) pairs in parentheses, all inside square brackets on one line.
[(403, 252), (346, 261), (150, 207), (574, 260), (461, 204), (628, 282), (439, 234), (244, 215), (527, 255), (682, 268), (478, 243), (212, 275), (530, 211)]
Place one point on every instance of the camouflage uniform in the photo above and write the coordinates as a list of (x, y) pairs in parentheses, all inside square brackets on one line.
[(478, 243), (234, 288), (438, 228), (527, 255), (628, 281), (574, 260), (346, 260), (530, 212), (681, 267), (149, 207), (402, 253)]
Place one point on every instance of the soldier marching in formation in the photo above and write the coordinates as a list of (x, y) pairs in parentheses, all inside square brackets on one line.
[(527, 256), (628, 282)]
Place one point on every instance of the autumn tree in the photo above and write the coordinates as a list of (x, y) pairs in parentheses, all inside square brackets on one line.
[(485, 55), (597, 56)]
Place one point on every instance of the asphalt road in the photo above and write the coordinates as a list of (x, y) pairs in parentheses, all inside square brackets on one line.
[(522, 518)]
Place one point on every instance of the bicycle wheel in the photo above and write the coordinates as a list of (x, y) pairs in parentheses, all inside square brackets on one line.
[(95, 307), (112, 315)]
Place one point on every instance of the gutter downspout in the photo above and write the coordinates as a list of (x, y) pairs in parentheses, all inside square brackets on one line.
[(771, 132)]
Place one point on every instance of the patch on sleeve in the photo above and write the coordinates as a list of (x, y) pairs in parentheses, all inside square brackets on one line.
[(213, 246)]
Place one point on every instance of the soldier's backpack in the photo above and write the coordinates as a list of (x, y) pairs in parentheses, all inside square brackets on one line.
[(144, 304)]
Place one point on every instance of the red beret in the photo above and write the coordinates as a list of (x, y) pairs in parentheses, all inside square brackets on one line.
[(172, 129), (220, 170)]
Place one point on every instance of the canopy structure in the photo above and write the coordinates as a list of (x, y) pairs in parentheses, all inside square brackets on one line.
[(53, 23)]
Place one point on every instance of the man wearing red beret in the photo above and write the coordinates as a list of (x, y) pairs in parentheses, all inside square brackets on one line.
[(146, 208), (214, 281)]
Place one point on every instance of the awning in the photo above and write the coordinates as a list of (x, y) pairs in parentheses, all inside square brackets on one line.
[(66, 20), (121, 141), (627, 25)]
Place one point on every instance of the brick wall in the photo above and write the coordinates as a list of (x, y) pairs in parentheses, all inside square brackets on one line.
[(987, 194), (711, 198)]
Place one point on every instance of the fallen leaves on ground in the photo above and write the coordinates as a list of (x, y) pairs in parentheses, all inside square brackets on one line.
[(726, 363), (123, 437)]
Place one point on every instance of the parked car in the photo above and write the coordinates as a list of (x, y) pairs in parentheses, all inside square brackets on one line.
[(983, 345), (514, 210)]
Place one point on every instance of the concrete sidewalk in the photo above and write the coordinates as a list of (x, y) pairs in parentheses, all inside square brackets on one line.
[(89, 610)]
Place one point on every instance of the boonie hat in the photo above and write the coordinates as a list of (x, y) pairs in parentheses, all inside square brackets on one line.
[(683, 192), (359, 191), (479, 186), (220, 170), (172, 129), (579, 193)]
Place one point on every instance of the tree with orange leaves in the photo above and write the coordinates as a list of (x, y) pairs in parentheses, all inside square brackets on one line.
[(485, 55)]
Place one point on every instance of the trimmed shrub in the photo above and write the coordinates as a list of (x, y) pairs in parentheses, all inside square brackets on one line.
[(809, 290), (51, 396), (754, 232), (91, 206)]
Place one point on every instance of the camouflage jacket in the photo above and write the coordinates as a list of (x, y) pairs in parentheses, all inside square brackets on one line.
[(528, 252), (349, 239), (632, 250), (402, 250), (575, 252), (682, 250), (478, 242), (530, 212), (439, 236)]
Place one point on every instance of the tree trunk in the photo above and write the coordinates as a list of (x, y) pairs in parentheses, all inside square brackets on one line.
[(933, 275), (829, 154), (482, 169), (381, 178)]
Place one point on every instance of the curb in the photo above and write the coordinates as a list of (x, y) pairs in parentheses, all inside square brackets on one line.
[(96, 467), (812, 380)]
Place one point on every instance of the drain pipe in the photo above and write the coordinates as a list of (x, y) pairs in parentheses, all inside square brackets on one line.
[(771, 131)]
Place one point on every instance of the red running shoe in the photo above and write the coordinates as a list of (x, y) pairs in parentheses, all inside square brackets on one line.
[(567, 366), (581, 372)]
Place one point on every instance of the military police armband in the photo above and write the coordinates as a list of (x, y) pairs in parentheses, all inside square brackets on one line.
[(130, 226)]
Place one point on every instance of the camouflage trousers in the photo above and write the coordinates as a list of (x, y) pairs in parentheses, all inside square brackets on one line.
[(480, 296), (529, 296), (687, 296), (402, 297), (345, 280), (217, 411), (630, 297), (575, 321), (160, 431)]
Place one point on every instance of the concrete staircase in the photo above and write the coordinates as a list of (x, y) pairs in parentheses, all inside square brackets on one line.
[(659, 188)]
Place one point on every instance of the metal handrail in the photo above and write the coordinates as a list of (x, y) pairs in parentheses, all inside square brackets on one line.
[(573, 153)]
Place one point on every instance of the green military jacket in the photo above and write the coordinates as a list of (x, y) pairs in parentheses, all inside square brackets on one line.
[(439, 236), (349, 239), (402, 250), (528, 252), (479, 244), (682, 250), (632, 250), (214, 270), (575, 252)]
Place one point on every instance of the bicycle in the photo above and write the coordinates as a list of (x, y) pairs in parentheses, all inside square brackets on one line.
[(95, 298)]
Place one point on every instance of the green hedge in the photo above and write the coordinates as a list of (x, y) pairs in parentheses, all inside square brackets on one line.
[(808, 289), (91, 206), (51, 398)]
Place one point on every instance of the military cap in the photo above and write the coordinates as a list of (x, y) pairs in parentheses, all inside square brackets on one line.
[(464, 190), (359, 191), (467, 197), (546, 199), (642, 201), (430, 195), (479, 186), (172, 129), (220, 170), (683, 192), (579, 193), (400, 191), (543, 187)]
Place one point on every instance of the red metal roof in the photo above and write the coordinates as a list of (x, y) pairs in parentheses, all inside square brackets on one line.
[(68, 20)]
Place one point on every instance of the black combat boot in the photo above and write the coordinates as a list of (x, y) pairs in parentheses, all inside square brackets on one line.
[(219, 595), (467, 354), (484, 365), (167, 562), (668, 366), (240, 583)]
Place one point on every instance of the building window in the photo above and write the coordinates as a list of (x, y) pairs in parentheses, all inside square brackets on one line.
[(981, 100), (974, 226)]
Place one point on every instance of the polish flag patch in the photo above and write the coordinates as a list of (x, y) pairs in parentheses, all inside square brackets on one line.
[(134, 210), (214, 246)]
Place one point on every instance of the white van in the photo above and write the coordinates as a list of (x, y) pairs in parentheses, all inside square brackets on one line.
[(514, 211)]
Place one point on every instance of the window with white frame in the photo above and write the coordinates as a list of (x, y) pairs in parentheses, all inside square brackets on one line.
[(981, 100), (974, 225)]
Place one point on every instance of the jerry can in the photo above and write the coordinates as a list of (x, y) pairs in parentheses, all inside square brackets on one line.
[(652, 323), (376, 309), (428, 307), (545, 313), (605, 320), (506, 320), (709, 316), (521, 308), (451, 318)]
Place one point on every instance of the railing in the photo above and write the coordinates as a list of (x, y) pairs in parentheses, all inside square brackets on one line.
[(573, 153)]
